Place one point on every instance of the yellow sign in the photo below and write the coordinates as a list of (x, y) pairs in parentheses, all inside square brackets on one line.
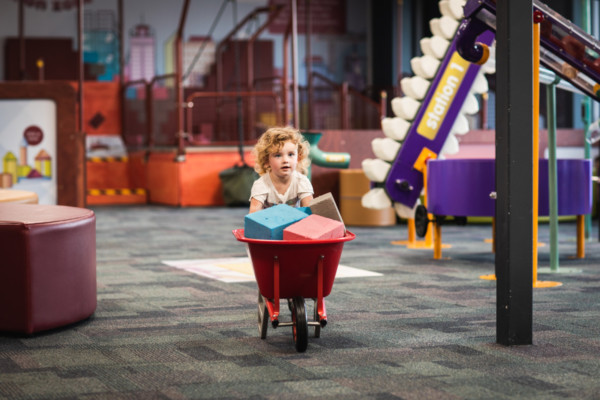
[(443, 97), (335, 157)]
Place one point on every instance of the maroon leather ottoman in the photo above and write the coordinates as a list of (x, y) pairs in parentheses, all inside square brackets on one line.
[(47, 266)]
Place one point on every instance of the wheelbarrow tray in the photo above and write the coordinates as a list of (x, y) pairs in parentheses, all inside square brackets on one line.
[(298, 263)]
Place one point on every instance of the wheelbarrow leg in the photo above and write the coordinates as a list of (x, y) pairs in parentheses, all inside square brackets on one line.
[(321, 312), (316, 319), (274, 305), (273, 310)]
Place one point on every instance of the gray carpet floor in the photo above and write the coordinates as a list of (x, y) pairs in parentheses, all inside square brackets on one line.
[(424, 329)]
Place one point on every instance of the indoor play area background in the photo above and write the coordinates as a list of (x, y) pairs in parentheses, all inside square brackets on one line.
[(134, 145), (132, 111)]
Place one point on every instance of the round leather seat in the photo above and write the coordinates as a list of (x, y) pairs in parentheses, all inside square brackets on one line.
[(47, 266)]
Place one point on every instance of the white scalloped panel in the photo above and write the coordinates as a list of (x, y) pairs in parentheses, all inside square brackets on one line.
[(452, 8), (385, 148), (480, 85), (460, 126), (375, 169), (377, 199), (395, 128), (425, 66), (444, 27), (415, 87), (471, 105), (405, 107), (438, 46), (450, 145), (404, 211)]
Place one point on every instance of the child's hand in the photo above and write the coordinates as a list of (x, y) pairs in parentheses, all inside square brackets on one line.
[(305, 202), (255, 205)]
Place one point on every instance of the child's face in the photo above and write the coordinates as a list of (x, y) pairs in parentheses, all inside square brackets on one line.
[(283, 162)]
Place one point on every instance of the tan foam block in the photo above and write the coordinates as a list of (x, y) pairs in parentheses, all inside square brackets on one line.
[(325, 206)]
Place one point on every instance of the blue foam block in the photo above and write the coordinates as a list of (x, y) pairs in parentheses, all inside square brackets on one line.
[(270, 222), (305, 210)]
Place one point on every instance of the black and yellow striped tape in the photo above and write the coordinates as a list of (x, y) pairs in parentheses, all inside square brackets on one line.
[(108, 159), (116, 192)]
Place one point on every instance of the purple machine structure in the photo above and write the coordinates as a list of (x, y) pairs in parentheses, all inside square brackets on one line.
[(463, 187)]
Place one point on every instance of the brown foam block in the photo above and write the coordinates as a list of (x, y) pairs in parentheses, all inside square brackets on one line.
[(325, 206)]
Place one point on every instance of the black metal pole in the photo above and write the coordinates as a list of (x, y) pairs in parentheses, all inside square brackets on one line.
[(238, 100), (295, 97), (80, 126), (309, 80), (180, 156), (22, 66), (514, 176), (122, 67), (80, 61)]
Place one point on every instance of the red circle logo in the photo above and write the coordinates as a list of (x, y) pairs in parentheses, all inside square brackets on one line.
[(34, 135)]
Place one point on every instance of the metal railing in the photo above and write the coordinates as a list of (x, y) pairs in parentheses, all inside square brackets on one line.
[(212, 117), (142, 110), (354, 109), (227, 123)]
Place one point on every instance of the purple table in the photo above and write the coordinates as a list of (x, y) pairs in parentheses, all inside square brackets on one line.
[(462, 187)]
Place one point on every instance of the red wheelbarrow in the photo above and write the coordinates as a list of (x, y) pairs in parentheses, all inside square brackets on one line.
[(293, 270)]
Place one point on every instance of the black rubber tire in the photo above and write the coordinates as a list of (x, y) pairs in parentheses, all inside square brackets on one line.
[(421, 220), (299, 326), (263, 317)]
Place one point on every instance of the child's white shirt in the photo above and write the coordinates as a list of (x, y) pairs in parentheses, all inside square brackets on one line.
[(264, 191)]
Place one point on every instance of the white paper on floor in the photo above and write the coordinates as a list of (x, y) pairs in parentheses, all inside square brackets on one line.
[(239, 269)]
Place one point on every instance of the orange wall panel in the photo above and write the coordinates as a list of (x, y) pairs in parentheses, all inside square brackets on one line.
[(101, 108), (193, 182), (200, 181), (107, 175), (163, 179), (137, 169)]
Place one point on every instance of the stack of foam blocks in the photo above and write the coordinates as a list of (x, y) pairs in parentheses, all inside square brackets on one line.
[(320, 221)]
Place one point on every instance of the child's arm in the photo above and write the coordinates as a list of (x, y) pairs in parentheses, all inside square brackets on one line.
[(255, 205), (305, 202)]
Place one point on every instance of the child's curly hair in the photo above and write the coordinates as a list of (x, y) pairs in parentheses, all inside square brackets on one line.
[(272, 140)]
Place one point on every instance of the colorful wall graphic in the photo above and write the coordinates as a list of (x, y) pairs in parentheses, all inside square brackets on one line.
[(28, 147)]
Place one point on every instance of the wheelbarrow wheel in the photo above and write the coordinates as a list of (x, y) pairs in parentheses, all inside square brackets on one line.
[(299, 324), (263, 317), (421, 221)]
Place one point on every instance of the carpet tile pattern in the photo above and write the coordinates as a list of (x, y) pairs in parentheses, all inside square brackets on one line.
[(423, 329)]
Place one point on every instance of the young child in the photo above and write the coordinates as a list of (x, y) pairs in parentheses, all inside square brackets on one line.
[(282, 162)]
